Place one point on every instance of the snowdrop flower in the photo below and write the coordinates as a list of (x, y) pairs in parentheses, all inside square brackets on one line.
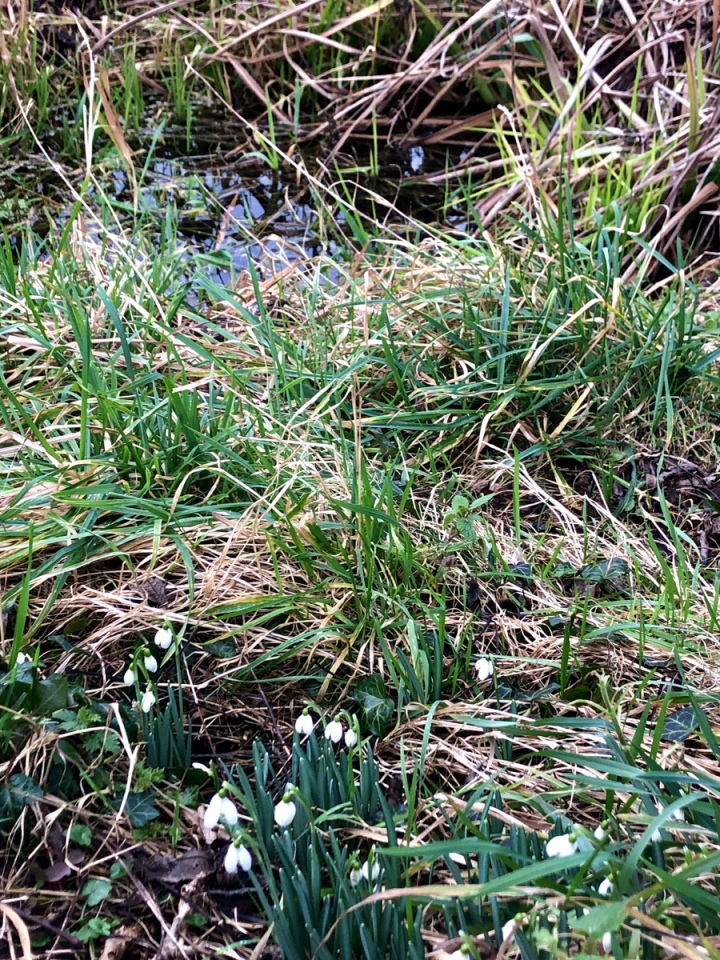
[(483, 669), (355, 875), (237, 856), (129, 677), (304, 724), (678, 815), (151, 663), (202, 767), (285, 811), (600, 832), (220, 808), (606, 887), (23, 658), (606, 942), (148, 701), (350, 738), (365, 870), (164, 638), (656, 836), (509, 929), (562, 846), (334, 731)]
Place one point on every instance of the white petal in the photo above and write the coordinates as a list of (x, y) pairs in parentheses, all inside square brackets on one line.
[(212, 812), (284, 813), (228, 811), (483, 669), (151, 664), (599, 834), (678, 815), (202, 766), (561, 846), (163, 638), (508, 929), (304, 725), (350, 738), (334, 731), (231, 859), (244, 858), (23, 658), (365, 870), (606, 887), (355, 876), (129, 677), (607, 942), (656, 836), (148, 701), (458, 955)]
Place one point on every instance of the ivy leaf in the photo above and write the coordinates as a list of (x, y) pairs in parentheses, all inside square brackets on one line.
[(140, 807), (377, 708), (680, 724), (611, 572)]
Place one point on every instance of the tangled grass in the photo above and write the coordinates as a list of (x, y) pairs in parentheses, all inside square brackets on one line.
[(455, 487)]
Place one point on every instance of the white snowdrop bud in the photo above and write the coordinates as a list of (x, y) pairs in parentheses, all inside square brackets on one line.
[(483, 669), (334, 731), (148, 701), (562, 846), (164, 638)]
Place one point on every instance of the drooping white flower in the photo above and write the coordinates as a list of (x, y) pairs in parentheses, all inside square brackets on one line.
[(509, 929), (600, 833), (228, 812), (151, 663), (355, 876), (231, 859), (606, 887), (203, 767), (23, 658), (236, 856), (304, 724), (129, 677), (164, 638), (678, 815), (563, 846), (213, 811), (334, 731), (221, 807), (656, 836), (606, 942), (244, 858), (148, 701), (483, 669), (365, 870), (350, 738), (285, 811)]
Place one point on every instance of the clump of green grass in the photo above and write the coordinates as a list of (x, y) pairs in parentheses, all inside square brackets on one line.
[(344, 495)]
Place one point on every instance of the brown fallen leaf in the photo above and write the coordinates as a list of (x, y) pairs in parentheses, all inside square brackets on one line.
[(116, 946)]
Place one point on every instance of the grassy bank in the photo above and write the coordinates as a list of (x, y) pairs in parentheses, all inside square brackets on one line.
[(452, 490)]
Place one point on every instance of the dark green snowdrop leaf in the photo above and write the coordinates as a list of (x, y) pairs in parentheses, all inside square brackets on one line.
[(680, 724)]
